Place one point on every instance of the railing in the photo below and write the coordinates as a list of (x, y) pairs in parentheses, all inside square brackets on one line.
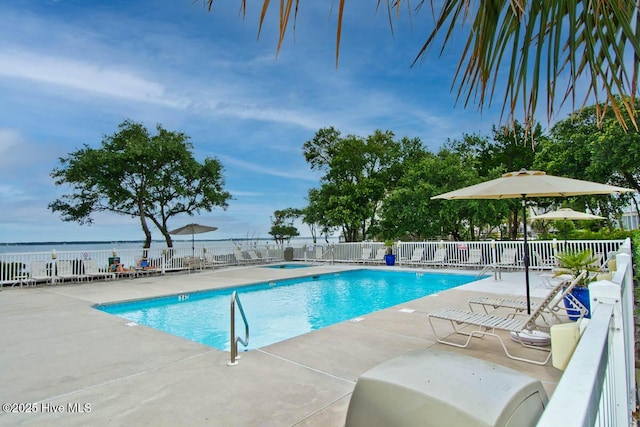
[(235, 338), (540, 251), (598, 386), (16, 267)]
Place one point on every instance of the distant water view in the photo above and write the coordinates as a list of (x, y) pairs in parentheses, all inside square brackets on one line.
[(182, 243)]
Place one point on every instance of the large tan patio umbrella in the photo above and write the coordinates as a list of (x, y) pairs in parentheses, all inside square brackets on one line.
[(193, 229), (566, 214), (527, 184)]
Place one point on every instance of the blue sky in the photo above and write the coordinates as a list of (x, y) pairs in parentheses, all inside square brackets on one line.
[(72, 70)]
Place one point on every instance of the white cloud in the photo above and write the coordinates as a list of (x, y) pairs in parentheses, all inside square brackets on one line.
[(273, 171), (10, 192), (9, 138), (85, 76)]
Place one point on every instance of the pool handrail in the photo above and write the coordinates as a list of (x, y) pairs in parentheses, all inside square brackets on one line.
[(235, 299)]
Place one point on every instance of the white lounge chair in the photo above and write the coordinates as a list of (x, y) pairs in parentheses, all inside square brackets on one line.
[(210, 261), (439, 258), (92, 272), (563, 289), (64, 271), (474, 259), (365, 256), (543, 263), (39, 272), (240, 258), (255, 258), (508, 258), (264, 254), (416, 257), (193, 263), (486, 324), (379, 257), (145, 267)]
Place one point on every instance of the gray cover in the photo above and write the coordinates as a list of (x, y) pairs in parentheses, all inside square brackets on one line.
[(440, 388)]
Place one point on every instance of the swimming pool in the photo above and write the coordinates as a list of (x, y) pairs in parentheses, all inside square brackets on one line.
[(288, 266), (280, 310)]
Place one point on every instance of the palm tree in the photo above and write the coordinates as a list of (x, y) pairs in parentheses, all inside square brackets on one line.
[(538, 42)]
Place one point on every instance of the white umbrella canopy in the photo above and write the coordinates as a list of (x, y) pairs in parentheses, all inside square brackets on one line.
[(193, 229), (525, 184), (565, 214)]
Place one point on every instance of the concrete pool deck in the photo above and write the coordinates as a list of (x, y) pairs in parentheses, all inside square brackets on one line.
[(61, 357)]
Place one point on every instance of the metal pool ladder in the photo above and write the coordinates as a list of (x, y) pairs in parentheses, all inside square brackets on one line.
[(234, 338)]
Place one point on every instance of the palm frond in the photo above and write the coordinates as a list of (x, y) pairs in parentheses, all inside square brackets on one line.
[(592, 42)]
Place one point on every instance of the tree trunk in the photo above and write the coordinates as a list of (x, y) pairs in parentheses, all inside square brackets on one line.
[(145, 227), (515, 225), (168, 239)]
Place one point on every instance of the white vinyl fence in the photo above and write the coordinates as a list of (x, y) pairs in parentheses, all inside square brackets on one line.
[(33, 268), (598, 388)]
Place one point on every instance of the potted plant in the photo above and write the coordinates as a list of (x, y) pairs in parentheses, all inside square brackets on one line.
[(574, 264), (389, 258)]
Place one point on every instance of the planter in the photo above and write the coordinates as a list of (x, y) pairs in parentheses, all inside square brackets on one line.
[(390, 259), (582, 295)]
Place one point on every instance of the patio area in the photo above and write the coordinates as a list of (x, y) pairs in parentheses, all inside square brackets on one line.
[(59, 352)]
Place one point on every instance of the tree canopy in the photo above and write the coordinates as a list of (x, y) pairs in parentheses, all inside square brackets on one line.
[(367, 195), (358, 173), (134, 173), (282, 228), (535, 44), (580, 148)]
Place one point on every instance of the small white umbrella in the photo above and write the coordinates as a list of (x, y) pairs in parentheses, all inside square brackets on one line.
[(526, 184), (193, 229), (565, 214)]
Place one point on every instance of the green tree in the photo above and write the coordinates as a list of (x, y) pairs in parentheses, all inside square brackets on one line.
[(358, 172), (535, 44), (313, 217), (506, 151), (133, 173), (282, 228), (581, 148), (409, 213)]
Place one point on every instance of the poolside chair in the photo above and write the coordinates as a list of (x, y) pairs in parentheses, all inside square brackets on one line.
[(144, 267), (240, 258), (486, 324), (254, 258), (210, 261), (92, 272), (563, 289), (416, 257), (39, 272), (439, 258), (193, 263), (365, 256), (598, 263), (508, 258), (379, 257), (65, 271), (473, 260), (543, 263), (264, 254)]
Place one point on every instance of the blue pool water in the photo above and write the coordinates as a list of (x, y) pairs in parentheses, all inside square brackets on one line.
[(280, 310), (288, 266)]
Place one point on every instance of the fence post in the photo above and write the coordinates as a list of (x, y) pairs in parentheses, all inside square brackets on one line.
[(624, 261), (606, 292)]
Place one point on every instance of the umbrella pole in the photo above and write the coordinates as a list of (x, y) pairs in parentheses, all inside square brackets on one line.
[(193, 241), (526, 252)]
